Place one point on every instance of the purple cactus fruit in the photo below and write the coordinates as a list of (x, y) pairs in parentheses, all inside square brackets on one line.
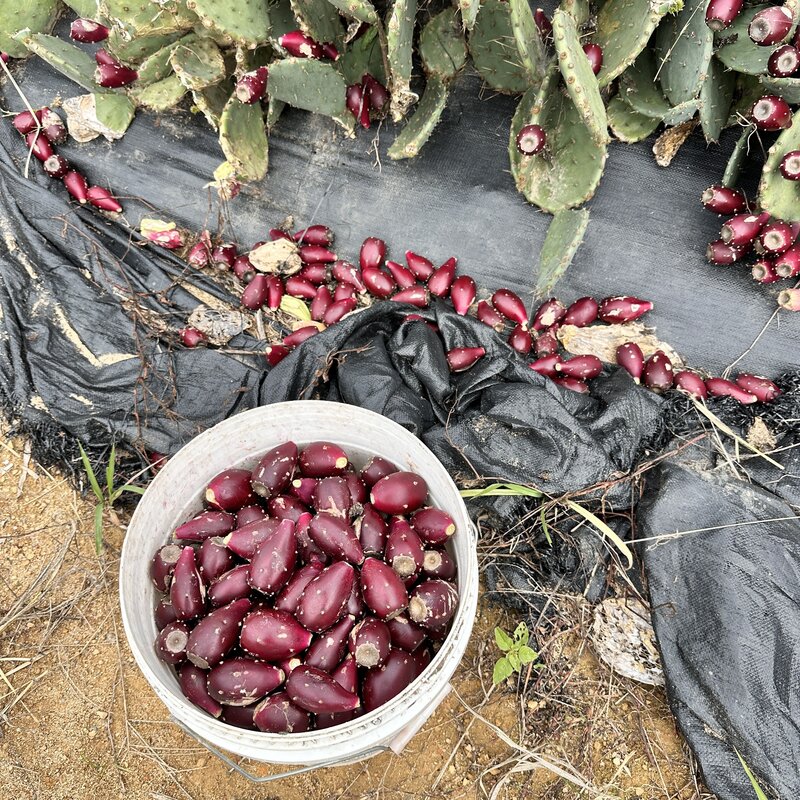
[(243, 269), (324, 601), (246, 540), (316, 273), (297, 44), (217, 634), (328, 649), (720, 387), (543, 24), (581, 367), (355, 603), (399, 493), (383, 683), (442, 278), (373, 252), (286, 506), (764, 389), (720, 14), (39, 145), (439, 564), (53, 127), (77, 186), (171, 642), (531, 140), (370, 642), (595, 55), (308, 550), (723, 254), (275, 470), (290, 594), (335, 537), (279, 233), (370, 528), (784, 62), (691, 383), (250, 88), (742, 229), (315, 254), (405, 634), (614, 310), (192, 681), (187, 591), (460, 359), (433, 525), (339, 309), (88, 31), (223, 256), (790, 166), (273, 635), (191, 337), (375, 469), (199, 256), (243, 681), (321, 459), (658, 374), (521, 340), (343, 291), (322, 301), (402, 276), (763, 271), (275, 354), (273, 563), (25, 122), (777, 237), (573, 384), (547, 343), (582, 312), (348, 273), (377, 93), (404, 550), (102, 56), (278, 714), (488, 316), (724, 200), (230, 490), (546, 365), (214, 559), (114, 76), (239, 717), (163, 565), (320, 235), (378, 283), (329, 51), (416, 296), (787, 265), (433, 603), (165, 613), (382, 590), (771, 113), (296, 286), (356, 487), (332, 494), (771, 25), (316, 691), (205, 524), (232, 585), (551, 312), (510, 306), (789, 299), (419, 265)]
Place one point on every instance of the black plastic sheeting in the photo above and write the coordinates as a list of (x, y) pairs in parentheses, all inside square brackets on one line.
[(81, 298)]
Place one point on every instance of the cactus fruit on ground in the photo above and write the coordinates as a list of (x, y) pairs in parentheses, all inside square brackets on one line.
[(311, 85), (136, 51), (528, 39), (579, 79), (564, 237), (493, 49), (623, 29), (243, 139), (114, 111), (198, 63), (319, 19), (399, 41), (363, 55), (211, 102), (245, 21), (442, 47), (787, 88), (469, 12), (161, 95), (628, 125), (737, 51), (418, 129), (776, 195), (716, 97), (362, 10), (70, 61), (34, 16)]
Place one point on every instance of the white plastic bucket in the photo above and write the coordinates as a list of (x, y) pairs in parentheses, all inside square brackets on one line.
[(175, 494)]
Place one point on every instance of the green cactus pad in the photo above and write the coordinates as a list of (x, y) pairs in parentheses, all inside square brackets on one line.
[(362, 10), (578, 9), (420, 127), (308, 84), (623, 30), (211, 103), (787, 88), (469, 12), (733, 168), (86, 9), (684, 45), (580, 81), (628, 125), (568, 170), (363, 55), (142, 17), (529, 42), (737, 51), (494, 50), (716, 98), (564, 237), (681, 113), (70, 61), (162, 95), (274, 111), (114, 111), (282, 19), (35, 16), (243, 139), (156, 67), (198, 63), (748, 90), (319, 19), (442, 46), (780, 197), (138, 50), (399, 40), (244, 21)]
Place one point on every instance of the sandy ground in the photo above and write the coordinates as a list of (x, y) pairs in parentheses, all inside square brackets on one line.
[(79, 722)]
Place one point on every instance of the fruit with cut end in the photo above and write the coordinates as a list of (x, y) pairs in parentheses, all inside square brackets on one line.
[(433, 603)]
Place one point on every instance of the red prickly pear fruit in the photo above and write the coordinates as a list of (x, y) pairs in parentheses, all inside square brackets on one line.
[(433, 603), (315, 273), (25, 122), (771, 25), (320, 235), (375, 469), (114, 76), (286, 507), (720, 14), (546, 365), (239, 717), (223, 256), (763, 388), (296, 286), (543, 23), (378, 283), (720, 387), (242, 681), (377, 93), (204, 525), (595, 55), (383, 683), (335, 537), (343, 291), (274, 291), (742, 229), (290, 664), (256, 292), (317, 692), (691, 383), (356, 487), (191, 337), (250, 88), (399, 493), (163, 565), (723, 254), (274, 561), (275, 470), (370, 642), (214, 559), (233, 585), (321, 303), (488, 316), (442, 278), (355, 604), (551, 312), (171, 642), (290, 594), (724, 200), (53, 127), (439, 564), (460, 359), (521, 340), (771, 113), (315, 254), (328, 649), (582, 312), (279, 233), (217, 634), (373, 252), (371, 528), (333, 496), (784, 62), (339, 309), (419, 265), (415, 296), (308, 550), (324, 601), (103, 57), (344, 272), (278, 714), (404, 550), (273, 635), (573, 384), (510, 306), (787, 265), (329, 51), (581, 367), (192, 681), (622, 309), (230, 490), (355, 100), (763, 271), (244, 541), (422, 657), (346, 674), (187, 591), (777, 237), (77, 186), (658, 374), (199, 256), (383, 592), (531, 140), (165, 613), (405, 634), (433, 525), (789, 299), (276, 353), (39, 145), (790, 166), (297, 44), (402, 276), (303, 489), (321, 459)]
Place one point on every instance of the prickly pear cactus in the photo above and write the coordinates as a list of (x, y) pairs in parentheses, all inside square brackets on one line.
[(37, 16), (780, 197), (198, 63), (580, 81), (142, 17), (399, 40), (211, 102), (156, 67), (319, 19), (733, 169), (86, 9), (245, 21), (442, 46), (161, 95), (70, 61), (564, 237), (493, 49), (420, 127), (578, 9), (308, 84), (737, 51), (114, 111), (787, 88), (529, 42), (363, 55), (716, 97), (362, 10), (243, 139), (138, 50), (469, 12), (628, 125)]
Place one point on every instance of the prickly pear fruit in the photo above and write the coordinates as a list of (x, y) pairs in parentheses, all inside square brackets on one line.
[(273, 635), (215, 635)]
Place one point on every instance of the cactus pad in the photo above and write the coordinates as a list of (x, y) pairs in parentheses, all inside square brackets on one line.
[(308, 84), (419, 128), (780, 197), (363, 55), (628, 125), (787, 88), (86, 9), (738, 51), (319, 19), (399, 40), (529, 42), (578, 9), (579, 79), (564, 237), (198, 63), (35, 16), (362, 10), (70, 61), (716, 98), (138, 50), (143, 18), (161, 95), (243, 139), (282, 19), (469, 12), (494, 51), (211, 103), (640, 90), (733, 168), (156, 67), (114, 111), (274, 111), (244, 21), (442, 46)]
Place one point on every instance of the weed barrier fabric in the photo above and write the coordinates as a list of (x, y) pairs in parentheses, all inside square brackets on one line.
[(88, 348)]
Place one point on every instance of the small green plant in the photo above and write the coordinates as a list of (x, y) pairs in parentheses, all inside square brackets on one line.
[(109, 497), (517, 652), (760, 794)]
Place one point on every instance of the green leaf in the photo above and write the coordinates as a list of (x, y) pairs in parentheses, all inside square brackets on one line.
[(362, 10), (521, 634), (198, 63), (527, 655), (545, 527), (716, 98), (502, 671), (319, 19), (514, 660), (608, 532), (98, 528), (132, 489), (295, 307), (501, 490), (363, 55), (110, 467), (98, 492), (760, 795), (734, 166), (504, 641), (36, 16), (564, 237), (441, 45), (528, 39)]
